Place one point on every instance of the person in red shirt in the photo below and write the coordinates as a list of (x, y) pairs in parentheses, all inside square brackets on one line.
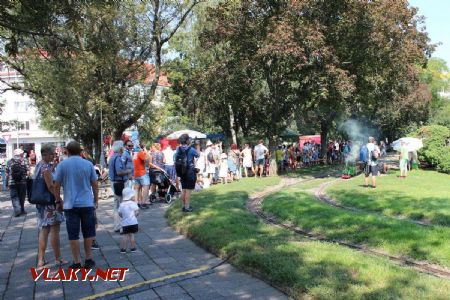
[(141, 177)]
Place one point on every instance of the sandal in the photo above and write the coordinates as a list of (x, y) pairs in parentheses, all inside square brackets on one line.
[(61, 262), (41, 266)]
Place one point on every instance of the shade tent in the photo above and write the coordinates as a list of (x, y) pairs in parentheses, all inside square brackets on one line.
[(192, 134), (412, 144)]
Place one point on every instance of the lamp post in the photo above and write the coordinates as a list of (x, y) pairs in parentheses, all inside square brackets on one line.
[(17, 129), (102, 155)]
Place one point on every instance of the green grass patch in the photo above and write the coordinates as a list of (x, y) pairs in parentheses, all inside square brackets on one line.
[(424, 195), (313, 170), (221, 223), (390, 235)]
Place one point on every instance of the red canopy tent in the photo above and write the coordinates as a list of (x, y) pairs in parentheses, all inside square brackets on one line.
[(308, 138)]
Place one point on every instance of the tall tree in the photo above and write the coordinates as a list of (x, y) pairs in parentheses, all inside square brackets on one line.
[(101, 58)]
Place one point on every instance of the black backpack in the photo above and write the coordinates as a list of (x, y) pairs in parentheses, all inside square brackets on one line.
[(374, 155), (17, 172), (181, 162)]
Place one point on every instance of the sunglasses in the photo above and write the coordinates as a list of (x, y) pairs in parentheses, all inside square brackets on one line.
[(130, 146)]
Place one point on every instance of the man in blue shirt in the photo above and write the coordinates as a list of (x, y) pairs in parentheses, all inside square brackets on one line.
[(118, 175), (127, 158), (190, 177), (79, 181)]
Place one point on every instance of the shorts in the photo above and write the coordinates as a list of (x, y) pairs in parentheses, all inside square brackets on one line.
[(404, 164), (370, 169), (143, 180), (84, 216), (260, 162), (129, 229), (188, 181)]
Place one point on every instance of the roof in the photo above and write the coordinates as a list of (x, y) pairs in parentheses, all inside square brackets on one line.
[(163, 81)]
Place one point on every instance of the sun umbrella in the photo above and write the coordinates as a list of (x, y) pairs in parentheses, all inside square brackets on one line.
[(412, 144), (192, 134)]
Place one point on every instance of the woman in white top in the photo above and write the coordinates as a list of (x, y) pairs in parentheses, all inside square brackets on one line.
[(200, 163), (247, 159)]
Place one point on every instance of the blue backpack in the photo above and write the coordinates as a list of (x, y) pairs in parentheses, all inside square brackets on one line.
[(364, 154)]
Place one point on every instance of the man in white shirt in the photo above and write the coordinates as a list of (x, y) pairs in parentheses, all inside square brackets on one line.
[(373, 153), (260, 152)]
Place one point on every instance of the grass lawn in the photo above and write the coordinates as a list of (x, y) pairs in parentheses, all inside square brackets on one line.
[(390, 235), (318, 169), (424, 195), (221, 223)]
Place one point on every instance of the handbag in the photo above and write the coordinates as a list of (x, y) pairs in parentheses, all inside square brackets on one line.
[(39, 190)]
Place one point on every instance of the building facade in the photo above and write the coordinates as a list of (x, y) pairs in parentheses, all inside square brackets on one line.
[(26, 132), (18, 110)]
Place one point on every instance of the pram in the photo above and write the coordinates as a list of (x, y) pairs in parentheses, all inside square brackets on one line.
[(166, 188)]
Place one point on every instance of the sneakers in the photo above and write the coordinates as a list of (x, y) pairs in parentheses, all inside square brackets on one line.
[(95, 245), (133, 250), (123, 250), (89, 264), (75, 266), (189, 209)]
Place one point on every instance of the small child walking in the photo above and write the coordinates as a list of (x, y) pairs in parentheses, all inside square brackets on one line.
[(223, 168), (128, 211)]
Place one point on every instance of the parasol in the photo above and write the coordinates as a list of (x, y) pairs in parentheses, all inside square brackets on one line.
[(413, 144), (192, 134)]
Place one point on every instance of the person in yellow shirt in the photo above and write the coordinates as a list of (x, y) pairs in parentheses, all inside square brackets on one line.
[(279, 154)]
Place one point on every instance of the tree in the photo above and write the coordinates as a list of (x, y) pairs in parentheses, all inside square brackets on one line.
[(105, 58)]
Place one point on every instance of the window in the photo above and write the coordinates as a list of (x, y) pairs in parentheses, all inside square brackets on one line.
[(22, 106)]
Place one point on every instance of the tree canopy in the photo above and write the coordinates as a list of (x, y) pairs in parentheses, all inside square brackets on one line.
[(84, 58), (271, 63)]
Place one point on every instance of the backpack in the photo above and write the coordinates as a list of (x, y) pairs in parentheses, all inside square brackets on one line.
[(363, 154), (17, 172), (374, 154), (210, 157), (181, 162)]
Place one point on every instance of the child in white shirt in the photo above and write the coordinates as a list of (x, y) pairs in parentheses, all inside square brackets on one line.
[(128, 211), (223, 168)]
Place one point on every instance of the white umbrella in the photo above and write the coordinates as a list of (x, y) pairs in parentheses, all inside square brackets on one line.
[(412, 144), (192, 134)]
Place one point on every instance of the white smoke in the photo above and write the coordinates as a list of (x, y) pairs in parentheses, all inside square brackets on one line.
[(358, 135)]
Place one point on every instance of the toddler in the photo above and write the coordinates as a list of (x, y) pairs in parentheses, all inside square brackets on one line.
[(128, 211)]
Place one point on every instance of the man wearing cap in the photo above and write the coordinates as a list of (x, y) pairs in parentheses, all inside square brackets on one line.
[(79, 181), (17, 171)]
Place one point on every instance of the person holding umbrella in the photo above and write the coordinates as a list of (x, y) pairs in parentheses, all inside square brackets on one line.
[(404, 159)]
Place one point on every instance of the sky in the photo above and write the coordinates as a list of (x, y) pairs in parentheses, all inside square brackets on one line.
[(437, 22)]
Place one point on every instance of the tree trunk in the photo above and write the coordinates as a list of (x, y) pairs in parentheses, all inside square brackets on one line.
[(232, 125), (117, 135), (98, 143), (323, 138)]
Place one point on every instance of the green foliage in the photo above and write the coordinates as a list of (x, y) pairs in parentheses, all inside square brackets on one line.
[(92, 57), (442, 116), (436, 150), (270, 63)]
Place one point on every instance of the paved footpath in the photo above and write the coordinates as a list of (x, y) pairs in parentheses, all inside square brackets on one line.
[(161, 252)]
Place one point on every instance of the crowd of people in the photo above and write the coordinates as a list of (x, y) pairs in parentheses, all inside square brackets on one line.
[(133, 173), (71, 179)]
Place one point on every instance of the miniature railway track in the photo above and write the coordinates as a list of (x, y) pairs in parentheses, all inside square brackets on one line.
[(254, 206)]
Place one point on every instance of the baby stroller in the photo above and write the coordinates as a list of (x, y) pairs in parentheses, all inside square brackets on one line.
[(166, 188)]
